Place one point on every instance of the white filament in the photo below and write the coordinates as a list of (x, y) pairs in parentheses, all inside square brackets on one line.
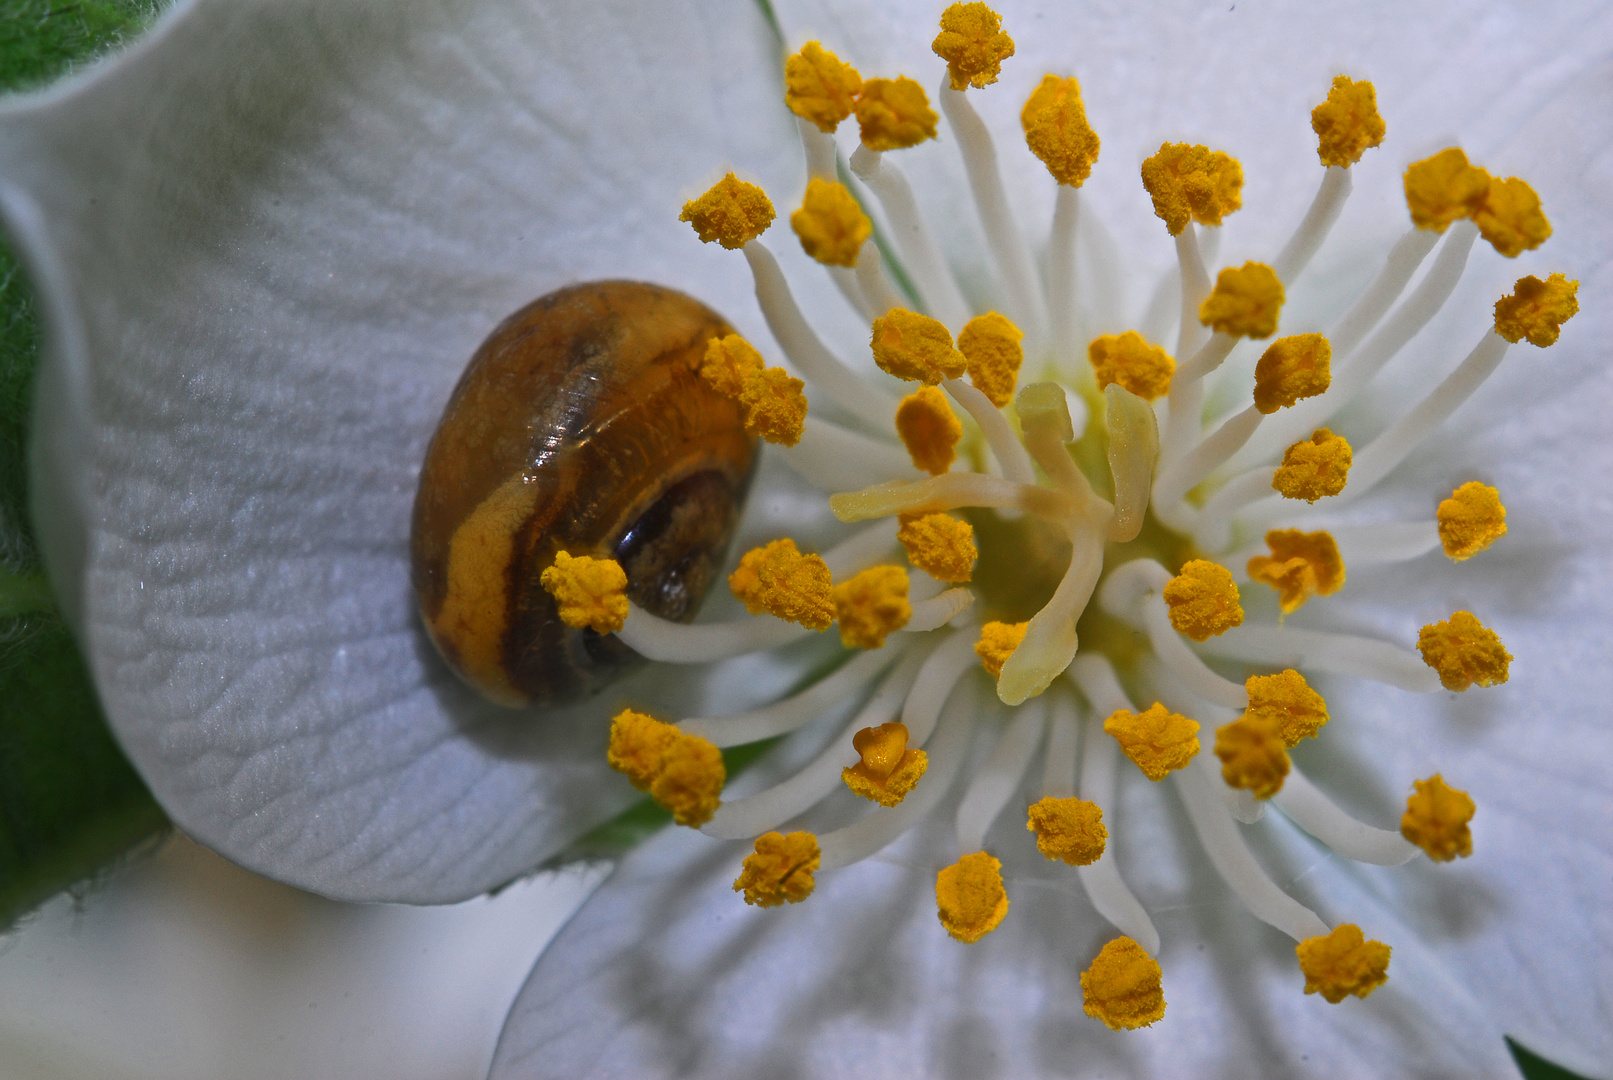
[(781, 717), (655, 638), (833, 458), (819, 147), (1189, 470), (999, 433), (936, 612), (1060, 759), (1336, 654), (1061, 296), (991, 788), (1195, 287), (941, 672), (1317, 223), (1183, 662), (876, 286), (860, 550), (1314, 812), (920, 255)]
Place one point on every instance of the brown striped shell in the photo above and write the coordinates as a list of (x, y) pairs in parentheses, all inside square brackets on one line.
[(581, 424)]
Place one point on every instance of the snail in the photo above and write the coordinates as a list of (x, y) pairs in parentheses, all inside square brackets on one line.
[(581, 425)]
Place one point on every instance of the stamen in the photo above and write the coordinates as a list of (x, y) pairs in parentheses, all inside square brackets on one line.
[(778, 579), (589, 592), (1294, 367), (1301, 565), (775, 407), (920, 254), (929, 430), (1387, 542), (1133, 453), (937, 611), (1069, 829), (859, 551), (1173, 652), (1471, 520), (1194, 287), (684, 773), (1347, 124), (1252, 755), (950, 492), (887, 768), (1056, 130), (1331, 654), (991, 345), (1192, 183), (1305, 805), (1131, 362), (970, 898), (1343, 962), (1124, 987), (1156, 740), (1061, 276), (732, 212), (939, 544), (1050, 641), (1510, 217), (788, 714), (1203, 600), (915, 347), (999, 777), (820, 151), (1444, 188), (1436, 820), (1190, 469), (655, 638), (833, 458), (830, 224), (1537, 309), (780, 870), (879, 295), (1245, 302), (820, 87), (1464, 652), (973, 44), (1286, 700), (1314, 469), (997, 643), (998, 432), (894, 114), (871, 605), (940, 674)]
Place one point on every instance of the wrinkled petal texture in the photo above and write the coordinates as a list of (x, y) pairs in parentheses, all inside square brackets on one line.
[(267, 241)]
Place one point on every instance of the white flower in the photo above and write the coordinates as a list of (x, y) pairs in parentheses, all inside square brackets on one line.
[(268, 238)]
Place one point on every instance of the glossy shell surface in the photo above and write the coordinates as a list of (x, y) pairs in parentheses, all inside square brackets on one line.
[(580, 425)]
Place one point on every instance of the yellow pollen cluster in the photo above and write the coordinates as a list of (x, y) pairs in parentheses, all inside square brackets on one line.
[(939, 544), (1156, 739), (780, 870), (1124, 987), (974, 45), (1471, 520), (1510, 217), (1192, 183), (888, 769), (915, 347), (1128, 359), (1444, 188), (1301, 565), (733, 213), (1203, 600), (820, 87), (1343, 963), (871, 605), (778, 579), (929, 429), (1287, 699), (1464, 652), (1245, 302), (990, 345), (1057, 132), (830, 224), (774, 401), (1070, 830), (1537, 309), (997, 643), (1436, 819), (1253, 755), (1294, 367), (970, 897), (589, 592), (684, 773), (894, 114), (1314, 468), (1347, 124)]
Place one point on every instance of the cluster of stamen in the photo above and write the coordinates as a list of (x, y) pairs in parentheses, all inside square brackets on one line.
[(968, 438)]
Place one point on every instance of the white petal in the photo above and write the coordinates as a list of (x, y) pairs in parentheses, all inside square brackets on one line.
[(268, 240)]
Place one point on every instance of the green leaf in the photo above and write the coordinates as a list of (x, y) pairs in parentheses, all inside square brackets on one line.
[(1535, 1067)]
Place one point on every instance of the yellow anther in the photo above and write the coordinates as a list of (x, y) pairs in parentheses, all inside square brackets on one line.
[(1291, 368), (974, 44), (970, 897), (940, 545), (1203, 600), (1510, 217), (1443, 188), (780, 870), (1347, 124), (915, 347), (889, 768), (1057, 132), (1343, 963), (1287, 699), (831, 225), (779, 580), (733, 213), (820, 87), (1070, 830), (1128, 359), (1301, 565), (871, 605), (1124, 987), (990, 344), (1314, 468), (894, 114), (773, 400), (1156, 739), (929, 429), (1537, 309), (1471, 520), (589, 592), (1192, 183), (1464, 652), (1245, 302), (1253, 755), (684, 773), (1436, 819), (997, 643)]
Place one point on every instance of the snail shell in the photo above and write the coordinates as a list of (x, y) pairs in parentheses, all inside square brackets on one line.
[(580, 425)]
